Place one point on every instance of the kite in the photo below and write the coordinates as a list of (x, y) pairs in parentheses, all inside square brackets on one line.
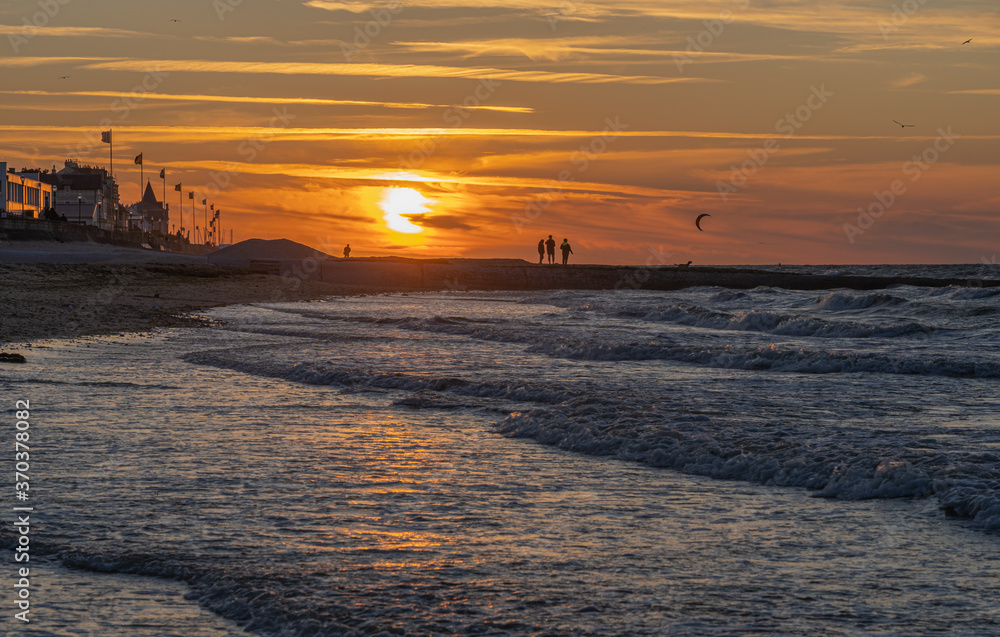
[(697, 222)]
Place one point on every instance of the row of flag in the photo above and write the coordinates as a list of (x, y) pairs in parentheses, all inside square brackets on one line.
[(107, 139)]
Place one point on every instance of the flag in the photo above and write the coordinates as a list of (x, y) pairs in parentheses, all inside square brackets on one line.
[(212, 207), (190, 195), (138, 159), (204, 201), (106, 136), (177, 187), (163, 173)]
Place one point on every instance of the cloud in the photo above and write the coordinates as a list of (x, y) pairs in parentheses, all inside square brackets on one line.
[(249, 39), (909, 80), (200, 134), (380, 70), (261, 100), (25, 62), (575, 49), (101, 32), (440, 222)]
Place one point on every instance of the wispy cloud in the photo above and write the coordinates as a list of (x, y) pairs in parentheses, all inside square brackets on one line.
[(376, 177), (380, 70), (845, 17), (260, 100), (102, 32), (362, 6), (26, 62), (198, 134), (573, 49), (248, 39), (265, 39), (909, 80)]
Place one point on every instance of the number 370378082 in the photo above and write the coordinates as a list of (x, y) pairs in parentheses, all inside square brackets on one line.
[(21, 448)]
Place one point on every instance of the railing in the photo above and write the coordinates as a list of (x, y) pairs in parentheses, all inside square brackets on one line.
[(22, 229)]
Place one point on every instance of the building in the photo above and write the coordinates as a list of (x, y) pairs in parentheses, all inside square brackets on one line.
[(24, 195), (88, 195), (150, 215)]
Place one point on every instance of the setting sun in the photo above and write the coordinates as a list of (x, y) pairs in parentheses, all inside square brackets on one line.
[(397, 202)]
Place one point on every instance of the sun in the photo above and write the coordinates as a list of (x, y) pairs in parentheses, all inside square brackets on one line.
[(396, 202)]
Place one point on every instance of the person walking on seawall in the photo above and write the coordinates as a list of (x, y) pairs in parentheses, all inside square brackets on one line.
[(566, 250), (347, 251), (550, 249), (541, 251)]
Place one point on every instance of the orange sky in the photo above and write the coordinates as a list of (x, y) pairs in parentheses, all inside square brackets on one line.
[(612, 124)]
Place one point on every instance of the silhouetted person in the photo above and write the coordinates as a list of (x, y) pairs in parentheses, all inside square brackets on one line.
[(566, 250), (550, 249), (541, 251), (347, 251)]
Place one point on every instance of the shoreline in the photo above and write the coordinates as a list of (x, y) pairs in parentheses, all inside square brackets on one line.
[(51, 301), (70, 300)]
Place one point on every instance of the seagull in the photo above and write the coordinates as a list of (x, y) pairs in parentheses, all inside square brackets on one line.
[(174, 20), (904, 125), (967, 41), (63, 77)]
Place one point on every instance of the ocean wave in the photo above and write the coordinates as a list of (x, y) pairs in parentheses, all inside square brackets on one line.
[(778, 323), (969, 294), (261, 603), (312, 373), (967, 486), (772, 358), (842, 301)]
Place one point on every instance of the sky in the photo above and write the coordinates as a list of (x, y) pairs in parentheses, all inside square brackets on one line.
[(447, 128)]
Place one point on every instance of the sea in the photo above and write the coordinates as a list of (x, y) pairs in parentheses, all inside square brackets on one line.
[(708, 461)]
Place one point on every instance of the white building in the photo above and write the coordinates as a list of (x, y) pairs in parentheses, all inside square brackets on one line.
[(86, 195)]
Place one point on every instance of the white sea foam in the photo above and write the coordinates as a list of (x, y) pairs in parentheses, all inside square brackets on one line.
[(335, 467)]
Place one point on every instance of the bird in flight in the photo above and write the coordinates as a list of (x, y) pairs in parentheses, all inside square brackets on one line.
[(174, 20), (63, 77), (967, 41), (901, 125)]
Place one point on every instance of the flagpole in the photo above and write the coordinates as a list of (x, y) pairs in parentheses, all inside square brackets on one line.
[(111, 175), (180, 202)]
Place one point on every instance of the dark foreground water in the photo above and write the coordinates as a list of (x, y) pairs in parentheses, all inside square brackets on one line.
[(524, 463)]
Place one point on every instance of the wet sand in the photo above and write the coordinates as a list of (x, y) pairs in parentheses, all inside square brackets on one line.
[(52, 290), (42, 301)]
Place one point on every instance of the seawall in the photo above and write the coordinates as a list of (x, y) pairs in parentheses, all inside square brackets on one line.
[(471, 275)]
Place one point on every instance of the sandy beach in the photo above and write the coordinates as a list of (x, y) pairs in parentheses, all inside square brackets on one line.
[(64, 290), (68, 300)]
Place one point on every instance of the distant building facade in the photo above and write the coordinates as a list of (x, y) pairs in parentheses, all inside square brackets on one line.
[(150, 215), (24, 195), (88, 195)]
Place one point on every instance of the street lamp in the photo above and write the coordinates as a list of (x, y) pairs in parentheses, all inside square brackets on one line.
[(79, 208)]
